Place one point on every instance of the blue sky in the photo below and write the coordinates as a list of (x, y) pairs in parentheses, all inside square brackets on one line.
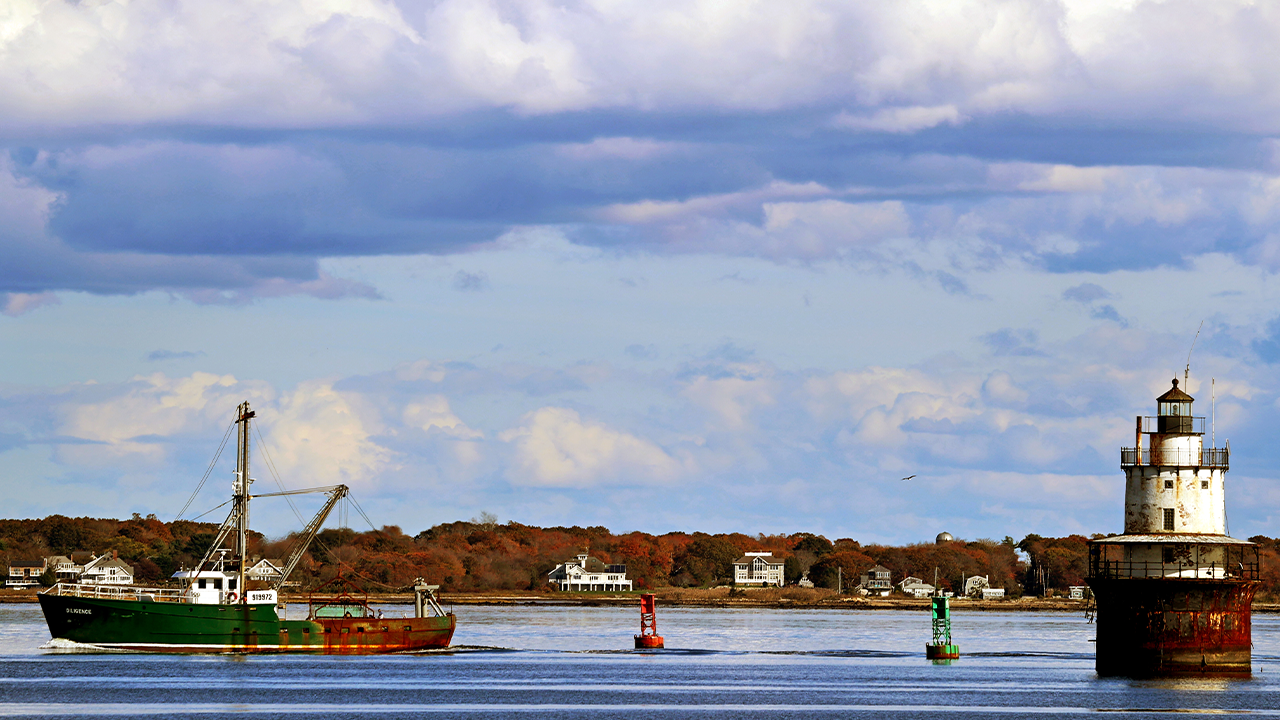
[(654, 266)]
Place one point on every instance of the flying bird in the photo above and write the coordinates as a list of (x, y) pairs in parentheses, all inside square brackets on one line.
[(908, 477)]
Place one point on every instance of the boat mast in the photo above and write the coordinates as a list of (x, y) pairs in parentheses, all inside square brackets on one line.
[(242, 493)]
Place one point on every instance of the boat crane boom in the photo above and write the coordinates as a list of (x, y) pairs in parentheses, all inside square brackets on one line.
[(336, 493)]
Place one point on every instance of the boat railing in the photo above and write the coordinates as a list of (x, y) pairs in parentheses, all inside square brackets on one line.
[(121, 592)]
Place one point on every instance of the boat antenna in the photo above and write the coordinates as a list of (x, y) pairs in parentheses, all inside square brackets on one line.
[(1187, 373)]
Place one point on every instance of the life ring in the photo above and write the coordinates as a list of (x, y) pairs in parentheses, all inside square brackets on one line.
[(231, 597)]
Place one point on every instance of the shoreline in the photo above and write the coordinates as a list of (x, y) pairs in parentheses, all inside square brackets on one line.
[(720, 598)]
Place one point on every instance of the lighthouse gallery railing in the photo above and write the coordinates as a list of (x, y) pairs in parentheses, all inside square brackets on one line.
[(1239, 562), (1208, 457)]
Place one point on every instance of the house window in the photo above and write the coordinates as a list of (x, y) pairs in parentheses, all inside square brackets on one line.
[(1168, 518)]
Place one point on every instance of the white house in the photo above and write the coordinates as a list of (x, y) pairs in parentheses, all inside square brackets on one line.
[(587, 574), (758, 568), (915, 587), (107, 570), (973, 586), (67, 569), (266, 570)]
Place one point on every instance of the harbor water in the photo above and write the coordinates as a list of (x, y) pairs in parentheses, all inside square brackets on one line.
[(576, 662)]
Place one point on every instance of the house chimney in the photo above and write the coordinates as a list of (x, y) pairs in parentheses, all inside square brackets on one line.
[(115, 554)]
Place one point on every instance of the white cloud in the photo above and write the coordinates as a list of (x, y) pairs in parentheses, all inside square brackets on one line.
[(432, 413), (556, 448), (349, 60), (15, 304), (734, 400), (320, 436), (901, 120), (147, 411)]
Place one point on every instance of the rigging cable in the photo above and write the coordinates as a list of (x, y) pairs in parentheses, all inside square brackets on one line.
[(361, 511), (206, 512), (203, 480), (271, 465)]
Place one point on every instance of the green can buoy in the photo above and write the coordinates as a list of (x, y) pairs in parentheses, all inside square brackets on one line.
[(941, 648)]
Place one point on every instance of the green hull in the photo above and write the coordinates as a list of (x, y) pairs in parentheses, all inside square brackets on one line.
[(187, 628)]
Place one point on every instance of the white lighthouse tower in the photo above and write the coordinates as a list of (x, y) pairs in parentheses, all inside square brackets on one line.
[(1173, 591), (1174, 484)]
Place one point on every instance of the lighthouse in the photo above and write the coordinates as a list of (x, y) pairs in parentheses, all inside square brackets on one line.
[(1174, 591)]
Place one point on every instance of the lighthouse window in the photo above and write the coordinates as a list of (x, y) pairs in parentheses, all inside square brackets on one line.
[(1204, 484), (1168, 484), (1168, 518)]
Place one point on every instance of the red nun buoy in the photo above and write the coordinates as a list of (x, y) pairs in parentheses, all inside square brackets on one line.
[(648, 637)]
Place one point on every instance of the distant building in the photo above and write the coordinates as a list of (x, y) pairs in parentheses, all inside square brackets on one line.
[(758, 568), (587, 574), (107, 570), (25, 573), (973, 586), (266, 570), (876, 581), (992, 593), (1076, 592), (804, 580), (67, 569), (915, 587)]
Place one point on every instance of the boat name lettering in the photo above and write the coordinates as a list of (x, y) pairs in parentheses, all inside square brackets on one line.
[(262, 596), (79, 611)]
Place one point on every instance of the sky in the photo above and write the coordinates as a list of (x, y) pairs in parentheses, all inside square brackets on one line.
[(697, 265)]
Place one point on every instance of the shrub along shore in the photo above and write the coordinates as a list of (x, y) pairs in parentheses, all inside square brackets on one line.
[(482, 560)]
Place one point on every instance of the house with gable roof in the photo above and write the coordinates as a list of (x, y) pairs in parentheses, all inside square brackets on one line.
[(107, 570), (587, 574), (759, 568)]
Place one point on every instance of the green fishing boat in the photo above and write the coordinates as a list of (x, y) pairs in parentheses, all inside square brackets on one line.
[(216, 608)]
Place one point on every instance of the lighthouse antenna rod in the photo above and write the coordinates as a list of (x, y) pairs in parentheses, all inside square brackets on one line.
[(1213, 413), (1187, 373)]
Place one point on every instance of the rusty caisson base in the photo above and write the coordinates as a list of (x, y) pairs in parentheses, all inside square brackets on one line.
[(1172, 627)]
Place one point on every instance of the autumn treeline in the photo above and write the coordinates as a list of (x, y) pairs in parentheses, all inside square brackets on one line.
[(484, 555)]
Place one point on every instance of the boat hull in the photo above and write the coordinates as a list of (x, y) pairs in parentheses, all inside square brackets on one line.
[(235, 628)]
